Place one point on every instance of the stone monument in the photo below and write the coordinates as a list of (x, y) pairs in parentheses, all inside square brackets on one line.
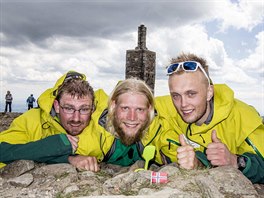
[(140, 62)]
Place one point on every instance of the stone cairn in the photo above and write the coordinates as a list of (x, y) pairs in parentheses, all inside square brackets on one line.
[(140, 62)]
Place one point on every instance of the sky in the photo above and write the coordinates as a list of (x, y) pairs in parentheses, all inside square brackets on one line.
[(40, 40)]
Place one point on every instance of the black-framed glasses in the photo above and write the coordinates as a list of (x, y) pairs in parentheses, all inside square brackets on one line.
[(188, 66), (71, 110)]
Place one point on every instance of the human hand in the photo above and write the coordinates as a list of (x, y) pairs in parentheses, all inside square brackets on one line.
[(74, 142), (186, 155), (218, 153), (84, 163)]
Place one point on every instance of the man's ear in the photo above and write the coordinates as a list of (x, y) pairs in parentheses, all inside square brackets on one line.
[(150, 108), (56, 106), (210, 92)]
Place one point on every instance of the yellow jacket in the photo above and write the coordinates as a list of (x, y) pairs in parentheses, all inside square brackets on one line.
[(39, 123), (233, 120)]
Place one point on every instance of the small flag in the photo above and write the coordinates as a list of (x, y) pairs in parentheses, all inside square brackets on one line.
[(159, 177)]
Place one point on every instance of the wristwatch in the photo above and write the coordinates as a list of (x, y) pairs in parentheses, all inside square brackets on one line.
[(241, 162)]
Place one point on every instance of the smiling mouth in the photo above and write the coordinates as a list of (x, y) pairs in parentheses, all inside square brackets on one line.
[(187, 112), (75, 124), (129, 125)]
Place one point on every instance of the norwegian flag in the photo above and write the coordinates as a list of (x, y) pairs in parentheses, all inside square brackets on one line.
[(159, 177)]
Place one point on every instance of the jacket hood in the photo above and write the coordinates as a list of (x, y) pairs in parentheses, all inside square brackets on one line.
[(223, 104), (46, 99), (226, 107), (223, 100)]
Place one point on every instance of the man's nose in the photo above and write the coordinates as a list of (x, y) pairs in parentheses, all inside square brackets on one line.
[(184, 101), (76, 115), (132, 115)]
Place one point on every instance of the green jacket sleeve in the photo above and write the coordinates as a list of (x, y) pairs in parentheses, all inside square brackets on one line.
[(255, 168), (53, 149)]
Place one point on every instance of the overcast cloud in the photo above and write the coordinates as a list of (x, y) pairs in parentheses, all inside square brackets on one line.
[(43, 39)]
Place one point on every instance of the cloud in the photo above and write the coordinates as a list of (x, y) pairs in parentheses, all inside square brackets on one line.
[(38, 20), (41, 40), (242, 14), (255, 61), (169, 42)]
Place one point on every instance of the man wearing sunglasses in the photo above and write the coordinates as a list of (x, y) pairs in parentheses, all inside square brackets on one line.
[(219, 128), (50, 133)]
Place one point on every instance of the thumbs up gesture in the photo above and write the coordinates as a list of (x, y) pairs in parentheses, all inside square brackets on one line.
[(186, 155), (214, 137), (218, 153)]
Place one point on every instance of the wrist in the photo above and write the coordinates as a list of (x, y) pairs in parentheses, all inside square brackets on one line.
[(241, 162)]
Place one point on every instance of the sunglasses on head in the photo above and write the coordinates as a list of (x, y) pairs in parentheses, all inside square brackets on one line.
[(188, 66), (73, 75)]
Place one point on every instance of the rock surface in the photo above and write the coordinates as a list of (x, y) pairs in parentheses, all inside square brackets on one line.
[(25, 178)]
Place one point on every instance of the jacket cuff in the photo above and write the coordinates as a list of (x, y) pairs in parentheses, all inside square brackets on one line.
[(42, 150)]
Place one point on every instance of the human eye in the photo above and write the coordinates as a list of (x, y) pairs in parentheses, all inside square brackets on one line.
[(85, 110), (68, 109), (191, 94), (176, 96), (140, 110), (124, 108)]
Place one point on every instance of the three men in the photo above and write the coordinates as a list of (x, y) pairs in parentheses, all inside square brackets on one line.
[(215, 125)]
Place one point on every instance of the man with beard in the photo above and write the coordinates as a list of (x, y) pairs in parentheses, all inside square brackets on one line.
[(50, 132), (130, 112), (225, 130), (126, 124)]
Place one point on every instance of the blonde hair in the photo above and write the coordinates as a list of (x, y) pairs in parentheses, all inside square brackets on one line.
[(129, 85)]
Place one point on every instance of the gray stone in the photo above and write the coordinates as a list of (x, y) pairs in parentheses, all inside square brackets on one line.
[(232, 183), (70, 189), (127, 183), (21, 181), (16, 168), (62, 180)]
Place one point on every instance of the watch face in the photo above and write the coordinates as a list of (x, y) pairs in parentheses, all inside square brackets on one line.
[(241, 162)]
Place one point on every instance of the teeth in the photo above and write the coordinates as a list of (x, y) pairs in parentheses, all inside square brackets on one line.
[(189, 111), (130, 125), (75, 125)]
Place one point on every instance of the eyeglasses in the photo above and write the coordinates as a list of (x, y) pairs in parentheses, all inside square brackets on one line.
[(188, 66), (70, 110)]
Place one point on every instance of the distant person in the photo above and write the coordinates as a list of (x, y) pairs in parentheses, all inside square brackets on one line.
[(8, 99), (30, 101)]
